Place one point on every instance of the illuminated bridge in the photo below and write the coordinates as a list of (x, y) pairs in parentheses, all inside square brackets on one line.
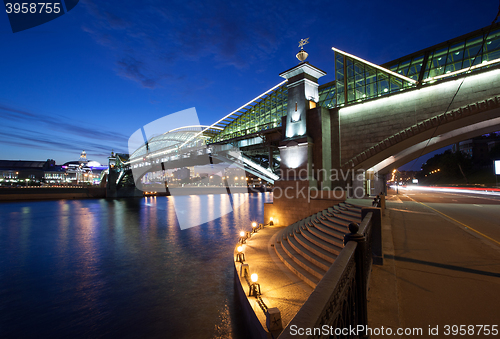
[(372, 117)]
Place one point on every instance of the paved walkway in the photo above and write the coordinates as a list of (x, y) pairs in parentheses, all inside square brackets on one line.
[(434, 274), (279, 286)]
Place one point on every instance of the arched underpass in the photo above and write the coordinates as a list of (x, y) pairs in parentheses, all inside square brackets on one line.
[(432, 134)]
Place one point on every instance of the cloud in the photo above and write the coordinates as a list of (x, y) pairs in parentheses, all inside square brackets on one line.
[(133, 69), (54, 122), (37, 132), (14, 110)]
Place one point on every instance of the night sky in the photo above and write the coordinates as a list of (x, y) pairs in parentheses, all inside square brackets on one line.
[(90, 78)]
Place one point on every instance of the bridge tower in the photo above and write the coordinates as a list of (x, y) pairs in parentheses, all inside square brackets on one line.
[(304, 149), (112, 177)]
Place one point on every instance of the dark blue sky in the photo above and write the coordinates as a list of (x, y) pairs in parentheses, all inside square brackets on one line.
[(92, 77)]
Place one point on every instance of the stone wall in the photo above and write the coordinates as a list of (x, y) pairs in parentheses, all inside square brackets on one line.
[(365, 124), (293, 201)]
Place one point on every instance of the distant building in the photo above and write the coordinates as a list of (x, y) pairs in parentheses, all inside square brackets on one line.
[(182, 174), (26, 173), (478, 148), (407, 176), (83, 171)]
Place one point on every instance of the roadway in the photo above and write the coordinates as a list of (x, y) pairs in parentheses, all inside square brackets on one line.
[(472, 210), (443, 264)]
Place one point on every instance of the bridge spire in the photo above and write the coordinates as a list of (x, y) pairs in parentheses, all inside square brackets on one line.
[(302, 55)]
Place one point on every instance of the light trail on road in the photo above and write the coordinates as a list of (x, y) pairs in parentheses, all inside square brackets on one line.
[(455, 220), (485, 191)]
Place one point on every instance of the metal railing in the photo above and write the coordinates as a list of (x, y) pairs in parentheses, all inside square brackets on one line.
[(339, 302)]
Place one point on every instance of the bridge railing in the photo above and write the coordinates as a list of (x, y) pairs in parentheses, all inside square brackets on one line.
[(339, 301), (224, 136)]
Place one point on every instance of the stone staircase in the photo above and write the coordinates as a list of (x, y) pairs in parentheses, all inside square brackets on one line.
[(309, 246)]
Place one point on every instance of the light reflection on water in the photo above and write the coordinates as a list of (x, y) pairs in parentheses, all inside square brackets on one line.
[(120, 268)]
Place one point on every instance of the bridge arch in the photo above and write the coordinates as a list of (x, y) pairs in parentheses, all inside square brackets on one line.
[(447, 128)]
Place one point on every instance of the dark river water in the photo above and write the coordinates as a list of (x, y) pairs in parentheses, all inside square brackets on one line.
[(120, 268)]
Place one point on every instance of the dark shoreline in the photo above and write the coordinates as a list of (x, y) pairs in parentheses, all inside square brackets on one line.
[(10, 194), (14, 194)]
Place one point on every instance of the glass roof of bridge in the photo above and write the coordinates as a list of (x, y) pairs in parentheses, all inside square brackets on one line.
[(171, 141), (357, 80), (263, 113), (480, 48)]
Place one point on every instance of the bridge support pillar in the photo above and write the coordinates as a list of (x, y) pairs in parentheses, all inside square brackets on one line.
[(306, 155), (112, 177)]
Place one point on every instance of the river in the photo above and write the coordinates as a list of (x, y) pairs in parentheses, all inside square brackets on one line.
[(120, 268)]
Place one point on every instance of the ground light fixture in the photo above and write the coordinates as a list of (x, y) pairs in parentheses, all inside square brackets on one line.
[(240, 256), (255, 286), (242, 237), (254, 227), (271, 221)]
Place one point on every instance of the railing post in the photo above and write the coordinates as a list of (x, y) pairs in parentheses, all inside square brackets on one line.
[(359, 257), (382, 202), (378, 255)]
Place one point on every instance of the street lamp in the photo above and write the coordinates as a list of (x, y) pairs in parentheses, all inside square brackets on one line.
[(242, 237), (254, 287), (240, 256), (254, 227)]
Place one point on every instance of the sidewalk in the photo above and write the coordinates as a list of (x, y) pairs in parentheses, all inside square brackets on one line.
[(434, 274), (279, 286)]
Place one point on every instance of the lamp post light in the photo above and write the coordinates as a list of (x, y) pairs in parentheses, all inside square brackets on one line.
[(255, 286), (240, 256), (243, 237), (254, 227)]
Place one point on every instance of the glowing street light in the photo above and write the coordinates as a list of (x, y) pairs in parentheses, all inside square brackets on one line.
[(254, 287), (254, 227), (243, 237), (240, 256)]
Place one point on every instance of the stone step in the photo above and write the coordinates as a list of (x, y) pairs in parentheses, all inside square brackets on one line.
[(347, 218), (351, 206), (333, 213), (321, 243), (351, 214), (308, 255), (326, 237), (313, 248), (334, 232), (302, 261), (341, 215), (315, 254), (293, 227), (280, 234), (336, 224), (337, 219), (307, 277)]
